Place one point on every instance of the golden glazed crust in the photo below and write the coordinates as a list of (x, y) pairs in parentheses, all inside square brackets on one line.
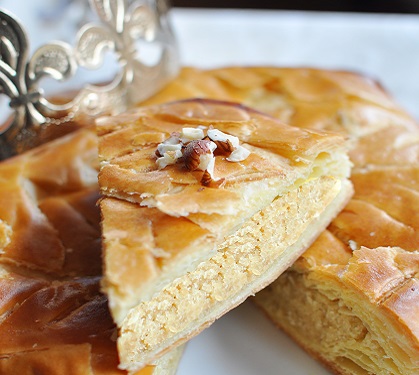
[(53, 314), (178, 254), (330, 286), (54, 319)]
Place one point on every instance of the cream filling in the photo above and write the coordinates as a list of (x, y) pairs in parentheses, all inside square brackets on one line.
[(266, 245)]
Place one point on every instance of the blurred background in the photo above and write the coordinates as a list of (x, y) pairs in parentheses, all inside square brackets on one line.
[(377, 38), (373, 6)]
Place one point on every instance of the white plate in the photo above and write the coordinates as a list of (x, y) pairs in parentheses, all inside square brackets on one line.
[(245, 342)]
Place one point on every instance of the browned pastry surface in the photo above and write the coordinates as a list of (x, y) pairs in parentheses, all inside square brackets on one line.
[(362, 273), (53, 318), (179, 254), (313, 99)]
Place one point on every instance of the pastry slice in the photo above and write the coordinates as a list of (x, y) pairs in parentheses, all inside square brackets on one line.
[(204, 204), (54, 318)]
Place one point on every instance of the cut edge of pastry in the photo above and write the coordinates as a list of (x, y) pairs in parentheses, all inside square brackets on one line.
[(349, 336), (168, 364), (225, 280)]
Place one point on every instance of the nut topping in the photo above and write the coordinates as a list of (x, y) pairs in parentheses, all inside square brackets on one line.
[(206, 179), (191, 134), (198, 154), (162, 148), (239, 154), (224, 148), (197, 151), (168, 158), (170, 144)]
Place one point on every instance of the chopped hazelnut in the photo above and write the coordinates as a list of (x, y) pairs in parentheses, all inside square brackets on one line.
[(162, 148), (239, 154), (172, 143), (206, 178), (224, 148), (198, 154), (173, 139), (218, 136), (191, 134), (168, 158), (228, 145)]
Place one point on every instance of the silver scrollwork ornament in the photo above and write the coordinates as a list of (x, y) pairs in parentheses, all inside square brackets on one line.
[(18, 80), (121, 26)]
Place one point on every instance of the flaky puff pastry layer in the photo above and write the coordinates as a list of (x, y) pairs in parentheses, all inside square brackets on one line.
[(178, 254), (54, 320), (346, 326), (361, 275)]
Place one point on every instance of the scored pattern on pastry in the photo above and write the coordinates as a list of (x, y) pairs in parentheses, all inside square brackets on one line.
[(53, 316)]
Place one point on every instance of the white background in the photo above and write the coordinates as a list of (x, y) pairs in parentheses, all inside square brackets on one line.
[(385, 47)]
